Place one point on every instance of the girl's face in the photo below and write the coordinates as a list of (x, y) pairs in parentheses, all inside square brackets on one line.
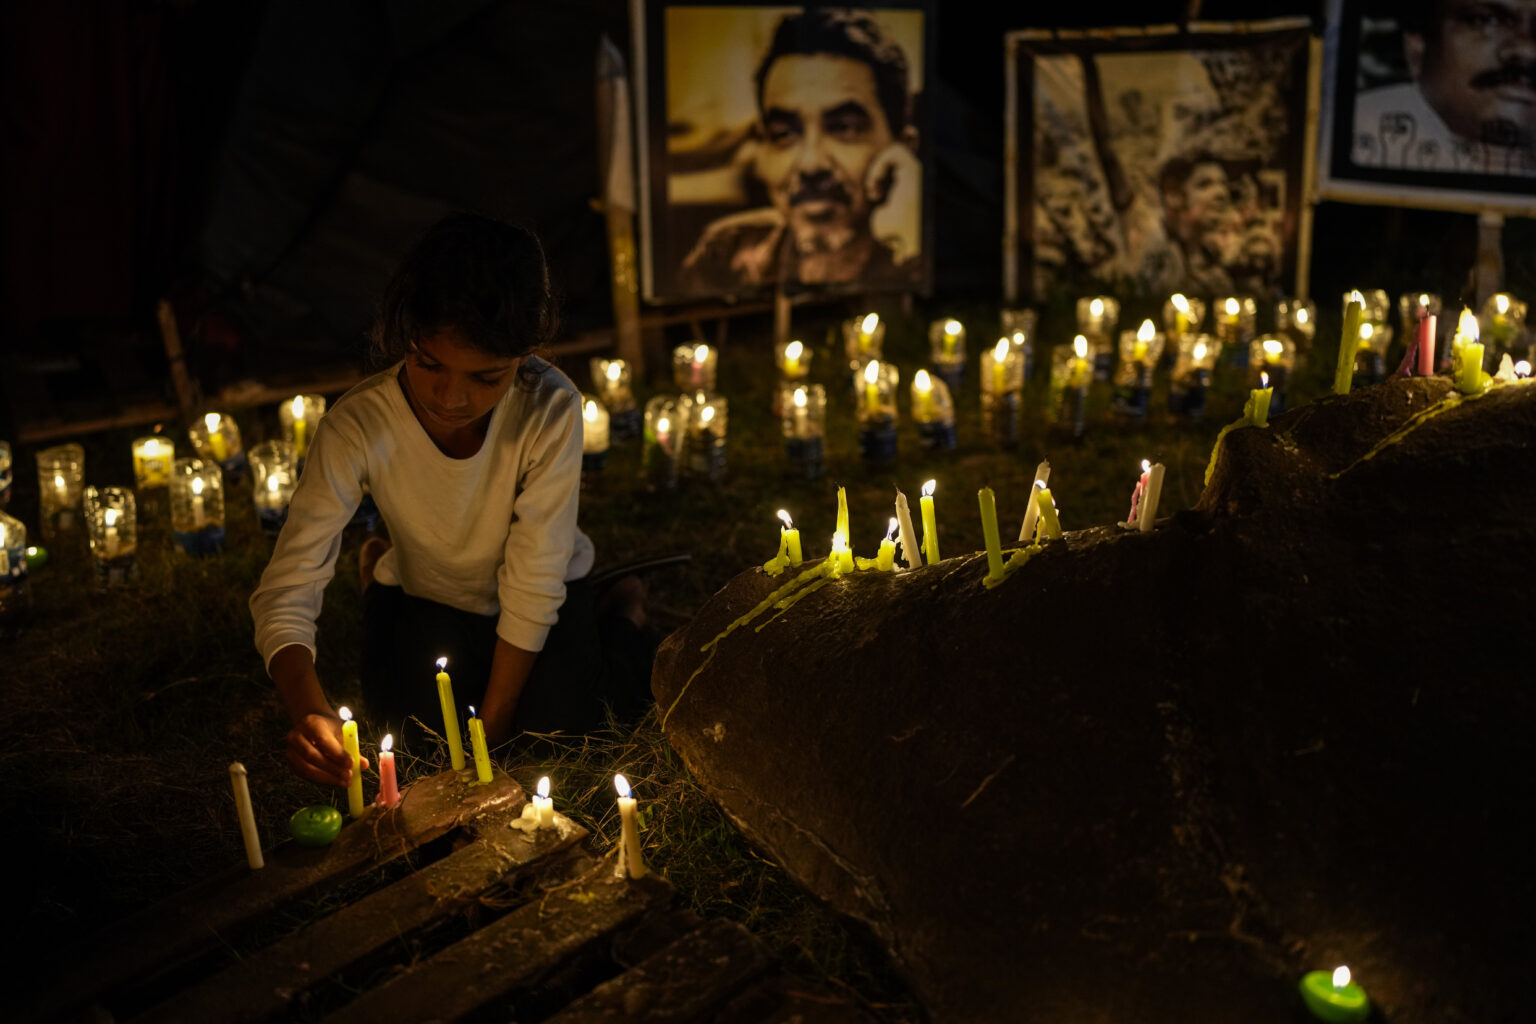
[(453, 385)]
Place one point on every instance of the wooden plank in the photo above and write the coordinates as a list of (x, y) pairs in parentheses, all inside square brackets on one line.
[(688, 981), (266, 982), (141, 945), (511, 953)]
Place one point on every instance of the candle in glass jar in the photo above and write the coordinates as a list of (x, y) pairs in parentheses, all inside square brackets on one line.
[(152, 457), (214, 422)]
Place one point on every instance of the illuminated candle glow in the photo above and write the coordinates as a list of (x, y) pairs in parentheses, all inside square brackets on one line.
[(389, 786), (1137, 493), (214, 422), (355, 806), (1146, 514), (885, 558), (1467, 356), (872, 386), (482, 753), (543, 805), (300, 427), (1049, 525), (922, 396), (450, 716), (1334, 996), (930, 524), (1257, 408), (792, 353), (1032, 512), (630, 861), (791, 537)]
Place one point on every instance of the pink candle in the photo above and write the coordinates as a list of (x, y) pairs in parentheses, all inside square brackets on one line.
[(389, 792), (1141, 488), (1427, 346)]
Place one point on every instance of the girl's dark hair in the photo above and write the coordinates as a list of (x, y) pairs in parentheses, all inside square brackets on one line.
[(478, 276)]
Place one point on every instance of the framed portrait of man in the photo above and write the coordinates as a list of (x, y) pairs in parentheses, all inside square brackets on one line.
[(1430, 103), (782, 147), (1147, 161)]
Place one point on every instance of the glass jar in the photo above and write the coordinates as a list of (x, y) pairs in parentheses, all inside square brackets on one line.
[(594, 434), (933, 412), (5, 473), (152, 459), (1002, 393), (215, 436), (793, 359), (863, 339), (15, 590), (875, 400), (298, 417), (1297, 318), (111, 523), (611, 379), (1182, 315), (1071, 373), (1194, 361), (60, 483), (1140, 351), (706, 420), (664, 417), (946, 351), (1096, 320), (1235, 319), (693, 367), (1502, 326), (197, 506), (274, 475), (803, 423)]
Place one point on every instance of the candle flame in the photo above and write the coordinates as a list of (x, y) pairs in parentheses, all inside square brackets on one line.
[(1424, 299), (589, 411), (1501, 303), (800, 398), (111, 516), (1366, 330), (1467, 324), (1522, 369), (1232, 306), (471, 711), (298, 407), (614, 370), (211, 421), (1146, 332), (869, 323), (1200, 350), (1096, 307), (1018, 337), (58, 481), (1273, 348), (1301, 315), (1040, 484), (921, 382), (543, 787), (789, 524), (273, 483), (890, 531), (1263, 379), (197, 485), (871, 371), (1355, 296), (1080, 346), (954, 327), (442, 664), (663, 425), (700, 353), (345, 713), (1000, 350), (928, 488), (387, 743), (1340, 977), (1146, 466), (621, 784), (707, 415), (793, 350), (1180, 303), (839, 542)]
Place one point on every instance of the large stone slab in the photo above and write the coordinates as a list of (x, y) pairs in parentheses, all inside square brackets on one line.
[(1158, 777)]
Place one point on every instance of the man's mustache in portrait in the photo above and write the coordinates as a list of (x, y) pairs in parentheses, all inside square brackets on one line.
[(819, 189), (1512, 73)]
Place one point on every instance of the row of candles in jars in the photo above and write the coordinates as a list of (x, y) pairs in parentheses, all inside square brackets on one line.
[(538, 813)]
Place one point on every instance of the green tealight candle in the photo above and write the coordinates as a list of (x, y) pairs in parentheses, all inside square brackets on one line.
[(1333, 997)]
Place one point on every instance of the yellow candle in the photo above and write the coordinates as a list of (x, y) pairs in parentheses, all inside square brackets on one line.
[(248, 831), (1048, 526), (1343, 374), (792, 353), (994, 542), (450, 716), (1257, 409), (1032, 510), (842, 512), (791, 539), (482, 753), (842, 554), (355, 805), (152, 458), (1000, 367), (1467, 355), (952, 329), (1181, 313), (885, 558), (1144, 335), (543, 805), (300, 440), (930, 525), (872, 386), (1079, 374), (922, 396), (630, 862), (214, 422)]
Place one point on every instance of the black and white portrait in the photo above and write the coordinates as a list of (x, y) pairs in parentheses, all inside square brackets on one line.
[(790, 150)]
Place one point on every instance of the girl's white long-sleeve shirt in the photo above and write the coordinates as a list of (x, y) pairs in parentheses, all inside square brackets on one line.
[(493, 533)]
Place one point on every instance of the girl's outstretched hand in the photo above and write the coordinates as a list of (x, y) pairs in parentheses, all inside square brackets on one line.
[(316, 753)]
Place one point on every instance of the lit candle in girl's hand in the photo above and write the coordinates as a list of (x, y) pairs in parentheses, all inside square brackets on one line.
[(630, 862), (450, 716), (355, 805), (389, 787), (482, 753), (1334, 997)]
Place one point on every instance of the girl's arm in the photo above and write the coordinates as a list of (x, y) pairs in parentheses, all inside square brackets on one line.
[(509, 671)]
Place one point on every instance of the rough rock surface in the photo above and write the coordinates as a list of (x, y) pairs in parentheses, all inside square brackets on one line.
[(1158, 777)]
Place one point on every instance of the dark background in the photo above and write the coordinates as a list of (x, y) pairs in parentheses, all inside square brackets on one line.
[(263, 164)]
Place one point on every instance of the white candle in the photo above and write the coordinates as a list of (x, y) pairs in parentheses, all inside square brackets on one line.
[(802, 417), (199, 517), (247, 816), (1149, 500), (906, 536), (1042, 478), (109, 543), (543, 805), (630, 862)]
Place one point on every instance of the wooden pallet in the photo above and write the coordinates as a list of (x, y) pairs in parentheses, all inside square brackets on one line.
[(438, 909)]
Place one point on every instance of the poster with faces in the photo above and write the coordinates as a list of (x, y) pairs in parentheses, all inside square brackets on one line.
[(782, 147), (1430, 103), (1155, 161)]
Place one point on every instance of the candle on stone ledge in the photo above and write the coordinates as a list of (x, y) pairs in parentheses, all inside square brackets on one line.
[(1048, 527), (482, 752), (1032, 510), (791, 539), (930, 524), (450, 716), (1354, 313), (355, 806), (1426, 357), (389, 786), (543, 805), (1146, 513), (1467, 356), (885, 558), (630, 862), (987, 500), (248, 833), (906, 535), (1257, 408), (1333, 996)]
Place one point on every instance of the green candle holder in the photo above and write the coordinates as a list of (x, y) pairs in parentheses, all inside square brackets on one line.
[(1333, 1002)]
